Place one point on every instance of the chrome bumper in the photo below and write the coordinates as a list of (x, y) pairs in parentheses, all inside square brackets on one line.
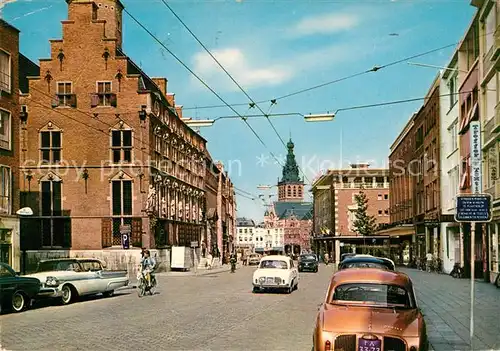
[(49, 292)]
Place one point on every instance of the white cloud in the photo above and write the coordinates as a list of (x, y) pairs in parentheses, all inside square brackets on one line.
[(243, 71), (326, 24)]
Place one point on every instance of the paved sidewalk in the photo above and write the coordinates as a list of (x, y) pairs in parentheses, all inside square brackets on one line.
[(445, 302)]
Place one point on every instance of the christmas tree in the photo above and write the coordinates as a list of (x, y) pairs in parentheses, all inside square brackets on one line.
[(364, 224)]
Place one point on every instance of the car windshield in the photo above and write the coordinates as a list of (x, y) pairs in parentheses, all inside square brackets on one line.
[(6, 271), (277, 264), (307, 258), (383, 295), (49, 266)]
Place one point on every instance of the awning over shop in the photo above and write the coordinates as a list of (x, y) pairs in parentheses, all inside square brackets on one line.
[(400, 230)]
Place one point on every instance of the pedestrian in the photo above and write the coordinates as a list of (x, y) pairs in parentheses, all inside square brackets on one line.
[(429, 261)]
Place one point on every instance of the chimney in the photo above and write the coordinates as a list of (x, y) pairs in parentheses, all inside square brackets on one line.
[(171, 99), (162, 84), (178, 109)]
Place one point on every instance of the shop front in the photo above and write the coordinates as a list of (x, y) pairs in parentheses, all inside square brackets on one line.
[(9, 242)]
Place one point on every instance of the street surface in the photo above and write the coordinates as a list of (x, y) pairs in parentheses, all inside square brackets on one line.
[(219, 312)]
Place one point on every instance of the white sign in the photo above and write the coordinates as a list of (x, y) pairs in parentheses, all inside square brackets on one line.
[(25, 211), (475, 157)]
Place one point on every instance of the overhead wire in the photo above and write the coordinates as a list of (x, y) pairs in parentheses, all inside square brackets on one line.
[(252, 102), (373, 69), (200, 80)]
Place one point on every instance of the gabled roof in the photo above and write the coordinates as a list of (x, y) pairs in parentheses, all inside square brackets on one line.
[(244, 222), (299, 210), (27, 68)]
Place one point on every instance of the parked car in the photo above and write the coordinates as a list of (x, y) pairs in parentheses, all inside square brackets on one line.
[(370, 309), (68, 278), (367, 262), (16, 292), (254, 259), (276, 272), (308, 263)]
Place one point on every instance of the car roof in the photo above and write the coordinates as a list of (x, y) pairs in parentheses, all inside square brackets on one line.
[(370, 275), (365, 259), (276, 257)]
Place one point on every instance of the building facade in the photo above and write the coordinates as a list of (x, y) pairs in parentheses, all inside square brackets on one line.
[(105, 152), (226, 222), (340, 187), (291, 215), (9, 145), (489, 98), (468, 61), (451, 250)]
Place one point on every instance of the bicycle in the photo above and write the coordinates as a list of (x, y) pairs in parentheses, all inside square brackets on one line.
[(143, 286), (457, 271)]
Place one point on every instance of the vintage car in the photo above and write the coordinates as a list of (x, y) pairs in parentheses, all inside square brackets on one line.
[(16, 292), (308, 263), (68, 278), (370, 309), (367, 262), (276, 272), (254, 259)]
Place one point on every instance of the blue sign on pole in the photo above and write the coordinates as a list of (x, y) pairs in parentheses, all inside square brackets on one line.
[(473, 208)]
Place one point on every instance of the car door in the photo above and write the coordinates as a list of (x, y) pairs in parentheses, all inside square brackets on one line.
[(8, 283), (294, 274), (94, 280)]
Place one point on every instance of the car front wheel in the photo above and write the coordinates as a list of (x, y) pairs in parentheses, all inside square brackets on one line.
[(19, 302), (67, 294)]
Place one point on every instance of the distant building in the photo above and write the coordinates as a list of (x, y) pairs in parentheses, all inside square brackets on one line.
[(290, 213), (335, 208), (245, 233)]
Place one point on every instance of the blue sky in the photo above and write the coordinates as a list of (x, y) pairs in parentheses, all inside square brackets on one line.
[(273, 48)]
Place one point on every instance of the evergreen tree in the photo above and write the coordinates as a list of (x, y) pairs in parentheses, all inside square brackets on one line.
[(364, 224)]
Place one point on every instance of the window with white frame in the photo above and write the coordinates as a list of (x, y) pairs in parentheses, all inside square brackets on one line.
[(104, 93), (53, 229), (491, 98), (453, 133), (50, 146), (5, 129), (65, 94), (489, 28), (5, 71), (121, 146), (453, 86), (121, 194), (5, 184)]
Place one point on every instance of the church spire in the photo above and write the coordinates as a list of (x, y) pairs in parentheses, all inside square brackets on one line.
[(291, 169)]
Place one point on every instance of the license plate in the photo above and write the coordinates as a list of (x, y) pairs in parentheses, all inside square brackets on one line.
[(270, 280), (369, 345)]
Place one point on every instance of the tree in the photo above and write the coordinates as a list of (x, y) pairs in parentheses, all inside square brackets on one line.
[(364, 224)]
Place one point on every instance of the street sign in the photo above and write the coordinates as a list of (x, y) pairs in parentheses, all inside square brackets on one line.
[(473, 208), (475, 157), (194, 244)]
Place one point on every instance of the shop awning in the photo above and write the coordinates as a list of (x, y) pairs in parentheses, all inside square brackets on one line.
[(400, 230)]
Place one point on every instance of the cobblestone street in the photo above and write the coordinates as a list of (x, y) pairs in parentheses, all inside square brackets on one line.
[(219, 312)]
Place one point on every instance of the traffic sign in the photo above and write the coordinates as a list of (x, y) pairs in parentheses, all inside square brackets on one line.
[(473, 208)]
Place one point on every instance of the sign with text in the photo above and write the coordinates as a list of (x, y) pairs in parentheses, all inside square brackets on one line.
[(475, 157), (473, 208), (125, 231)]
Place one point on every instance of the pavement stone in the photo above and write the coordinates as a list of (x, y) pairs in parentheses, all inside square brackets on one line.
[(445, 302)]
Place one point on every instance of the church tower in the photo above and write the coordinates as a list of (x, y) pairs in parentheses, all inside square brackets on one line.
[(291, 186)]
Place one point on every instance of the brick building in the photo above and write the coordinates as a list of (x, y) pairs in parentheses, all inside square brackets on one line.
[(489, 98), (335, 220), (290, 213), (9, 144), (426, 198), (468, 61), (105, 150)]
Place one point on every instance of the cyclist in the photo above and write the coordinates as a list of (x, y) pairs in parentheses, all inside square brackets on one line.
[(147, 267)]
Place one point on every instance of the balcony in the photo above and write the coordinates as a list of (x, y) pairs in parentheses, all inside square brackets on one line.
[(494, 191), (492, 127)]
